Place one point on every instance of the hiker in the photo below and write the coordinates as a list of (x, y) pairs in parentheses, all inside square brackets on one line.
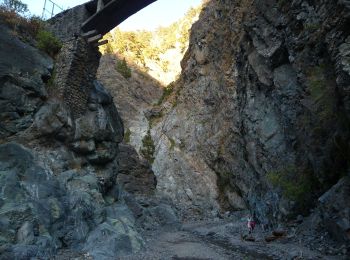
[(251, 224)]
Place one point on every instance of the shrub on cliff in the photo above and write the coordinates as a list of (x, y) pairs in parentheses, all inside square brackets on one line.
[(25, 27), (127, 135), (28, 29), (166, 93), (298, 185), (123, 68), (148, 147), (48, 43)]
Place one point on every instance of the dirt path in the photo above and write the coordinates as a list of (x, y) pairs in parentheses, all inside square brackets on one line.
[(219, 241), (182, 245)]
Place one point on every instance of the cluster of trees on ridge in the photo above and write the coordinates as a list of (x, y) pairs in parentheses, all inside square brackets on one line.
[(143, 47)]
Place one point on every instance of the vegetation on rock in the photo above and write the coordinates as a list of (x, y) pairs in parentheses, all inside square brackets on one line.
[(15, 6), (321, 93), (172, 144), (296, 185), (123, 68), (127, 135), (29, 29), (166, 93), (154, 51), (48, 43), (148, 147), (25, 27)]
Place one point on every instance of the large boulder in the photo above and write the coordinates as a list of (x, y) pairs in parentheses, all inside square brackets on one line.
[(335, 210), (54, 120), (41, 212), (151, 212), (98, 132), (135, 174), (114, 237)]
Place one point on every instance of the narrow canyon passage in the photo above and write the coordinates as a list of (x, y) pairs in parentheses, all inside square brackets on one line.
[(222, 135)]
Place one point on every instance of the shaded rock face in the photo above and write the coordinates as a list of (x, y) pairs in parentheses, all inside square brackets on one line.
[(132, 97), (259, 117), (334, 210), (137, 183), (22, 89), (135, 174), (41, 212), (58, 155)]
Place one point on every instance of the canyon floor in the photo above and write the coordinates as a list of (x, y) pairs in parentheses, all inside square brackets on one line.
[(222, 239)]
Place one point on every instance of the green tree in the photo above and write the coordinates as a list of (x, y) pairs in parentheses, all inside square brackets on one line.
[(141, 46), (15, 6)]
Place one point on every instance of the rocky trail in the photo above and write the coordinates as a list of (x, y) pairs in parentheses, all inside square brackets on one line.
[(220, 240)]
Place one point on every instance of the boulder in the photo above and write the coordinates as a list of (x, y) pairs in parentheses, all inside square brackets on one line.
[(41, 212), (135, 174), (159, 215), (114, 237), (53, 119), (335, 210), (105, 152)]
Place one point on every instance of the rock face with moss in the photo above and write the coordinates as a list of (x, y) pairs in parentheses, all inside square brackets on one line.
[(259, 118)]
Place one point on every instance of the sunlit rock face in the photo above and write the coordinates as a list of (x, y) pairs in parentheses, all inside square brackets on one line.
[(259, 116)]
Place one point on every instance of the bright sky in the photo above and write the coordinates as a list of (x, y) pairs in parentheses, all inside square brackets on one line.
[(160, 13)]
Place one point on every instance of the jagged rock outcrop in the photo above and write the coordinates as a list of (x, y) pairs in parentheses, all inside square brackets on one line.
[(22, 88), (59, 136), (42, 212), (259, 118)]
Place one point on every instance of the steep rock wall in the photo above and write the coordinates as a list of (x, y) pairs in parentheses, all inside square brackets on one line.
[(132, 96), (60, 192), (259, 117)]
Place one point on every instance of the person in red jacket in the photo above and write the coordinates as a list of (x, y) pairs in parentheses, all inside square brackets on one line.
[(251, 224)]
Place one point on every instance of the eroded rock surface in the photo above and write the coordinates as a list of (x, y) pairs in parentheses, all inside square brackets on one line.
[(132, 96), (59, 135), (259, 117), (22, 88)]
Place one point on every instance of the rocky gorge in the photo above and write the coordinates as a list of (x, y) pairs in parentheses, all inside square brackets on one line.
[(257, 123)]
